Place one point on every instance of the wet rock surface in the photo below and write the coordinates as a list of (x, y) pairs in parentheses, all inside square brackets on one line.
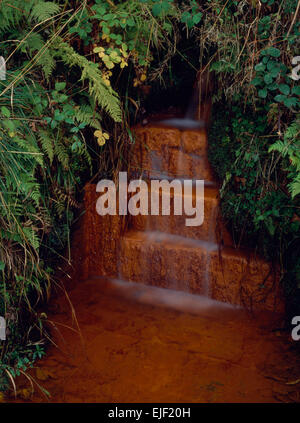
[(122, 341), (135, 344)]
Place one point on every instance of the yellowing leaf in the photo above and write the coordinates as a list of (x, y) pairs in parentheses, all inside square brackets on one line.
[(106, 82), (123, 64), (98, 49), (101, 137), (124, 53), (98, 133), (108, 63), (106, 38), (114, 55), (101, 141)]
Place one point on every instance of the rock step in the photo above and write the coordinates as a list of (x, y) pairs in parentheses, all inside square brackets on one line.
[(171, 151), (156, 137), (151, 174), (198, 267), (212, 228)]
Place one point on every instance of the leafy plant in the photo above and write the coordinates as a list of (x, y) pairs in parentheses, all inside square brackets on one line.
[(60, 90), (290, 148)]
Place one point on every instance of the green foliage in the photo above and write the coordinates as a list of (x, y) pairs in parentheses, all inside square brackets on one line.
[(31, 14), (75, 72), (41, 163), (56, 93), (43, 10), (254, 140), (289, 148), (103, 95), (251, 199), (131, 31), (12, 16), (44, 156), (255, 194), (272, 79)]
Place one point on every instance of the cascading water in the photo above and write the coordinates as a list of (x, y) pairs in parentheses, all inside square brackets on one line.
[(160, 250), (149, 344), (194, 117), (175, 274), (187, 123)]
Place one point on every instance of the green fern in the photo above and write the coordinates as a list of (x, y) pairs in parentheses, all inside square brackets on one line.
[(19, 14), (47, 144), (44, 10), (10, 15), (103, 95), (62, 153), (60, 207), (83, 152), (46, 61), (279, 146), (31, 237), (290, 147), (294, 187), (35, 43), (30, 188), (85, 114), (29, 145), (13, 13)]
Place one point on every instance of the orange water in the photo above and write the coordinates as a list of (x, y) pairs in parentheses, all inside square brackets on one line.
[(145, 344)]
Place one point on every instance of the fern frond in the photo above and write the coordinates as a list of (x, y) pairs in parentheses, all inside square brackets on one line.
[(279, 146), (85, 114), (15, 13), (60, 208), (35, 42), (47, 144), (87, 157), (47, 62), (44, 10), (61, 153), (103, 95), (294, 187), (29, 145), (10, 15), (31, 237)]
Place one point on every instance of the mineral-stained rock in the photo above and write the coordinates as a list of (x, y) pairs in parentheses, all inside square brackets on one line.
[(162, 250)]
